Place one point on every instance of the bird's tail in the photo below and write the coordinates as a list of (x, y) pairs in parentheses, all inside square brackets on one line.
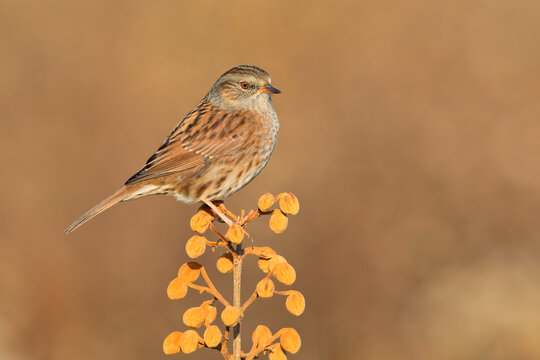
[(115, 198)]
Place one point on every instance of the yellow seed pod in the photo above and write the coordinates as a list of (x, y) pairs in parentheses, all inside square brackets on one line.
[(171, 344), (210, 311), (200, 221), (263, 264), (295, 302), (194, 317), (225, 263), (265, 288), (196, 246), (177, 289), (278, 221), (265, 252), (276, 353), (189, 342), (276, 260), (190, 271), (230, 316), (212, 336), (285, 274), (235, 234), (266, 202), (290, 340), (261, 336), (289, 203)]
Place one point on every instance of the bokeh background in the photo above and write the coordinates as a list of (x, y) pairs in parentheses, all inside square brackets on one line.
[(409, 130)]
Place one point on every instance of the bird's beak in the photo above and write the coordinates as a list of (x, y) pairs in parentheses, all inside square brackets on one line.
[(269, 89)]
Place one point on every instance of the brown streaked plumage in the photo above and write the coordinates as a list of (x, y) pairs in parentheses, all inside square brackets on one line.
[(217, 148)]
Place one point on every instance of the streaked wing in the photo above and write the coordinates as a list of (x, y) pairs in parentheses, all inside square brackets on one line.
[(205, 134)]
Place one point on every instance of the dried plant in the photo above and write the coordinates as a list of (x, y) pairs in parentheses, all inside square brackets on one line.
[(278, 345)]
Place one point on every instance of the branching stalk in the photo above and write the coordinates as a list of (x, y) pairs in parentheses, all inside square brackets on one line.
[(237, 301)]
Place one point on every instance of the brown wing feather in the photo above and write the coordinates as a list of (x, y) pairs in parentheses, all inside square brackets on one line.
[(205, 134)]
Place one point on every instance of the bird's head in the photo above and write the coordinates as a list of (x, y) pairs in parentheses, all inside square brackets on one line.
[(243, 87)]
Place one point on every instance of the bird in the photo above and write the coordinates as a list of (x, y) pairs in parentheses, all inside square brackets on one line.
[(214, 151)]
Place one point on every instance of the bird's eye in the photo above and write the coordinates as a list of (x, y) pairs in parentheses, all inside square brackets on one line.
[(244, 85)]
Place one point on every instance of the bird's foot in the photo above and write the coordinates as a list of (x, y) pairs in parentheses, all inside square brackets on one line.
[(218, 213)]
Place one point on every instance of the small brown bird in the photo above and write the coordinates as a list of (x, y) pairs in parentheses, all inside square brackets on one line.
[(217, 148)]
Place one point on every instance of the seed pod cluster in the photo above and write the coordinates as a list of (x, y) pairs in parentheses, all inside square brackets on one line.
[(202, 330), (289, 342), (288, 205)]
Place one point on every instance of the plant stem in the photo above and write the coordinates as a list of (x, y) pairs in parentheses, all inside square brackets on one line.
[(237, 301)]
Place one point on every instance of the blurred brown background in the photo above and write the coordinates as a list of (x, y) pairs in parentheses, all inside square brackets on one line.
[(409, 131)]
